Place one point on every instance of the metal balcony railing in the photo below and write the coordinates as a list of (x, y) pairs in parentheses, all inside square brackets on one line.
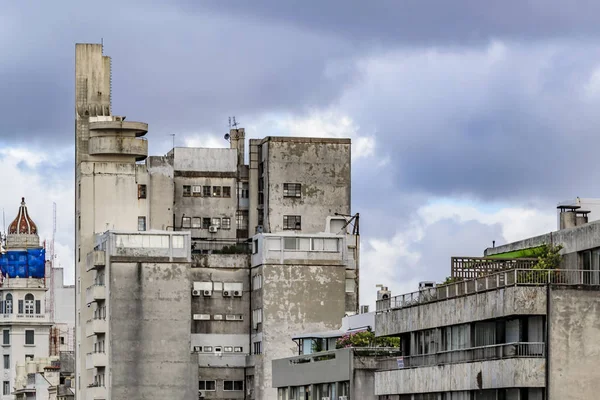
[(514, 277), (479, 353)]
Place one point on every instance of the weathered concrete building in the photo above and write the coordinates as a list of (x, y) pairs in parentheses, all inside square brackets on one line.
[(292, 188), (507, 331)]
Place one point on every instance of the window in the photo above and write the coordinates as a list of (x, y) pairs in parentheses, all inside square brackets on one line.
[(20, 305), (29, 356), (207, 349), (6, 361), (241, 219), (6, 336), (79, 222), (238, 349), (226, 191), (205, 223), (38, 306), (292, 222), (257, 317), (62, 340), (255, 246), (141, 224), (226, 223), (350, 285), (216, 222), (233, 386), (216, 192), (187, 190), (206, 191), (141, 191), (197, 190), (256, 282), (257, 347), (291, 189), (79, 190), (6, 387), (9, 303), (186, 222), (29, 303), (207, 386), (29, 336), (228, 349)]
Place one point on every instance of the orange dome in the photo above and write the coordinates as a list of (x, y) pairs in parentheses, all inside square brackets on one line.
[(23, 224)]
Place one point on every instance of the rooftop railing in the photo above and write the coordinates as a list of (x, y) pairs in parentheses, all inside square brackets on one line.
[(479, 353), (514, 277)]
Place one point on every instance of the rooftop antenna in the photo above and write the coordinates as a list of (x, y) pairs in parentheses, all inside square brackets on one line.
[(235, 124), (173, 135)]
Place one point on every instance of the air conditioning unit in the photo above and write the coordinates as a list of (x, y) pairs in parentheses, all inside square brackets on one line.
[(226, 293), (200, 394), (237, 293), (195, 292), (207, 293), (213, 229)]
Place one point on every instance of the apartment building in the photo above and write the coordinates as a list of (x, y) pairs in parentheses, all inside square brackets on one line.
[(503, 329), (297, 189)]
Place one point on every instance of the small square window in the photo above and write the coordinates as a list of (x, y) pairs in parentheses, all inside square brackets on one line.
[(216, 192), (141, 224), (196, 222), (226, 223), (216, 222), (6, 388), (226, 191), (292, 222), (187, 190), (205, 223), (197, 190), (62, 340), (206, 191), (186, 222), (228, 349), (141, 191), (292, 190)]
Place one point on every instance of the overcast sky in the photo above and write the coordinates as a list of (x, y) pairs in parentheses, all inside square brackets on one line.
[(469, 119)]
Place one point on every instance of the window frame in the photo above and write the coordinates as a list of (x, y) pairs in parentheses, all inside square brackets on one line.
[(226, 191), (217, 220), (206, 191), (8, 303), (197, 190), (227, 225), (142, 191), (214, 385), (216, 191), (292, 190), (233, 385), (32, 333), (6, 337), (292, 222), (196, 222), (206, 222), (6, 361), (142, 223), (187, 191), (186, 222), (6, 388)]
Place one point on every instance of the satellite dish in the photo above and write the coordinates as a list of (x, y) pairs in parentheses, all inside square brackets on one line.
[(227, 136)]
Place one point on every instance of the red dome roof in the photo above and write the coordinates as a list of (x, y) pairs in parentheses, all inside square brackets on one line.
[(23, 224)]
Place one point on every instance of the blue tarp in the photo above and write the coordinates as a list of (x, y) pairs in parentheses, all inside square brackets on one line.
[(24, 264)]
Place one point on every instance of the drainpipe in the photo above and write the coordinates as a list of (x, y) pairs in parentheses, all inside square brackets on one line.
[(546, 337)]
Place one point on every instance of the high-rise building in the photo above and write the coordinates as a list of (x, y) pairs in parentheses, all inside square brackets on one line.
[(272, 249)]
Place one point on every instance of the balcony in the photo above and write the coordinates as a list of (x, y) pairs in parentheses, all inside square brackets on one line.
[(95, 293), (118, 146), (95, 326), (96, 259), (95, 360), (95, 393), (138, 128), (29, 318)]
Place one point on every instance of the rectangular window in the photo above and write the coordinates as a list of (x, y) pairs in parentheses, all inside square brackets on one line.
[(141, 224), (228, 349), (229, 386), (237, 349), (62, 340), (38, 306), (226, 191), (79, 222), (207, 349), (256, 282), (205, 223), (207, 386), (257, 348), (216, 192), (291, 189), (216, 222), (350, 285), (187, 190), (20, 306), (6, 388), (29, 304), (241, 219), (292, 222), (29, 336), (206, 191), (196, 222), (186, 222), (141, 191), (226, 223), (197, 190), (6, 361)]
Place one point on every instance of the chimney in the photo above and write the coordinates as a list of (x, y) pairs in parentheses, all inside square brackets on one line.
[(237, 141)]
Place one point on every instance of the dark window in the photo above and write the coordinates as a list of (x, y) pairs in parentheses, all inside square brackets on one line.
[(257, 347), (291, 189), (197, 191), (205, 223), (216, 192), (6, 361), (6, 387), (226, 223), (292, 222), (226, 191), (29, 336), (38, 306), (29, 356), (187, 190), (20, 307), (206, 191), (233, 385), (9, 304), (141, 224), (141, 191), (209, 386), (5, 336), (241, 219), (62, 340)]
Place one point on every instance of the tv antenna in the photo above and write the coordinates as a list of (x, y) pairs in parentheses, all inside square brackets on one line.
[(173, 135), (232, 124)]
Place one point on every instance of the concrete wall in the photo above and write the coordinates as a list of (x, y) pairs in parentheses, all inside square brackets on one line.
[(289, 372), (64, 300), (204, 159), (515, 372), (516, 300), (149, 325), (322, 166), (160, 192), (295, 299), (220, 374), (573, 332)]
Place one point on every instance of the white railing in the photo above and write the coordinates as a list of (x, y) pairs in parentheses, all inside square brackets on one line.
[(514, 277), (479, 353)]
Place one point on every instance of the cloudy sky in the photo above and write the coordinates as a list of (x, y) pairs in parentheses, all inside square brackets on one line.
[(470, 120)]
